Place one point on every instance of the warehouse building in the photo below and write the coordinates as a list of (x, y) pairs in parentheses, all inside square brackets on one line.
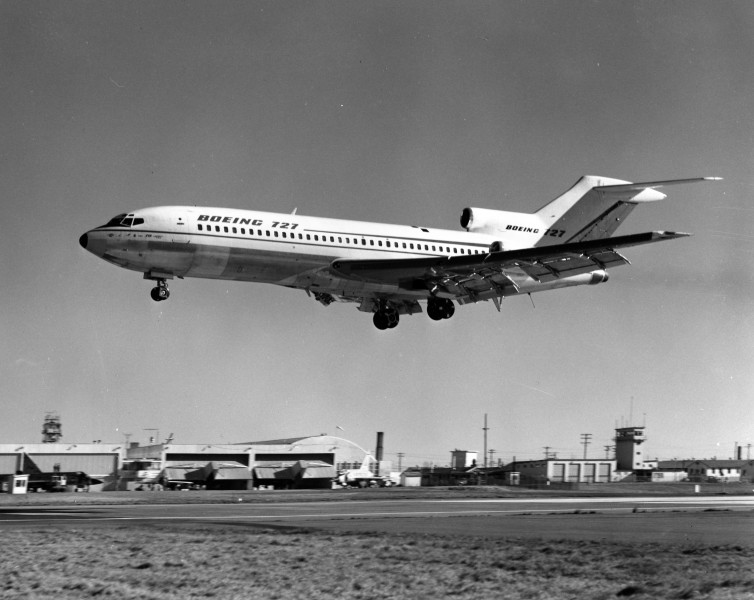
[(554, 470)]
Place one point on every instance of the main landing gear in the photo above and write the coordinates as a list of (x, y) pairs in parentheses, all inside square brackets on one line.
[(385, 317), (161, 292), (440, 308), (386, 314)]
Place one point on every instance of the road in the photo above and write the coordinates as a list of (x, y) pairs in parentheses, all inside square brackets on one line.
[(711, 520)]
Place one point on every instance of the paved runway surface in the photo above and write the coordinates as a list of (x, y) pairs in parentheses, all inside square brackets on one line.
[(710, 520)]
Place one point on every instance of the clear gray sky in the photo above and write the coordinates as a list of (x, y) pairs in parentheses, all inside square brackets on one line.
[(401, 112)]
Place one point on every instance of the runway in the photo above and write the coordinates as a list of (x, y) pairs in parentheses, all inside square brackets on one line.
[(709, 520)]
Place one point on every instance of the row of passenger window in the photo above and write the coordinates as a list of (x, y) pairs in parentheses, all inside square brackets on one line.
[(348, 240)]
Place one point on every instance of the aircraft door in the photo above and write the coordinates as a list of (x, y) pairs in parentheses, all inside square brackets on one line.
[(180, 230)]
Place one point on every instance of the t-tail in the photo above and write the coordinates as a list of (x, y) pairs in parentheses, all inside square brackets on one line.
[(592, 209)]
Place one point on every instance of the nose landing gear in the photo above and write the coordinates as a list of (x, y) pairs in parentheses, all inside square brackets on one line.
[(161, 292)]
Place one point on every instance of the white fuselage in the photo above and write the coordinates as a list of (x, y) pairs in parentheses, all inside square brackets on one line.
[(284, 249)]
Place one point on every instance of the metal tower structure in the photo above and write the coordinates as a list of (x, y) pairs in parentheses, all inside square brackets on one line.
[(51, 430)]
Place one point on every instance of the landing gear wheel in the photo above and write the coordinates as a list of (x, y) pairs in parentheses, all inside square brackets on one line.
[(434, 311), (440, 308), (161, 292), (386, 317), (381, 320)]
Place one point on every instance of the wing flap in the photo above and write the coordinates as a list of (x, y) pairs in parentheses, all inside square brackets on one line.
[(461, 275), (565, 265)]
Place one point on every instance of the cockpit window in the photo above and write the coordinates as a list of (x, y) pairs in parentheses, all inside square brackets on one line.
[(115, 221), (124, 220)]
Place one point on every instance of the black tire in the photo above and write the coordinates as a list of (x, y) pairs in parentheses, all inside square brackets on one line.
[(381, 320), (434, 311)]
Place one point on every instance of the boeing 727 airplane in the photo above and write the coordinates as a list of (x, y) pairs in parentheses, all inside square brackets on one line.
[(387, 270)]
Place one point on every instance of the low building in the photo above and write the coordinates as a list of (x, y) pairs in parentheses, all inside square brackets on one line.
[(703, 470), (715, 470), (558, 470)]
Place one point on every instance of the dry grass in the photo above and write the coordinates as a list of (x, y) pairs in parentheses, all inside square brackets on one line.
[(177, 562)]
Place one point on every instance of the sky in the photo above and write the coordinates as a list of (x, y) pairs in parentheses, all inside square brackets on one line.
[(392, 112)]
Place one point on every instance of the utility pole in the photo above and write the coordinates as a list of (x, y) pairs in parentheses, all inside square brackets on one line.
[(585, 437), (485, 428), (547, 451), (400, 461), (607, 450)]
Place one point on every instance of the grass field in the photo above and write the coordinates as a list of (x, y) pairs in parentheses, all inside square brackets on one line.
[(167, 562), (182, 561)]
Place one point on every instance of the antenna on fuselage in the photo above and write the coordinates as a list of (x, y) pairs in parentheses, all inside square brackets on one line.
[(294, 210)]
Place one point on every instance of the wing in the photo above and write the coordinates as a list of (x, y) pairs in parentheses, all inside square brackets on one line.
[(468, 276)]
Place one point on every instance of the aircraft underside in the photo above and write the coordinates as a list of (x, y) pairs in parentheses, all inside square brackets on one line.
[(314, 275)]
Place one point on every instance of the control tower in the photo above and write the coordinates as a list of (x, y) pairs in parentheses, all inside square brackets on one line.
[(51, 430), (628, 451)]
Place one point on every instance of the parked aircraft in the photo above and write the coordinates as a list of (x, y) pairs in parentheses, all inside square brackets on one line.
[(387, 270)]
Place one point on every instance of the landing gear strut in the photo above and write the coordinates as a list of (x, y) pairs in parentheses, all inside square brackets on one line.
[(440, 308), (385, 317), (161, 292)]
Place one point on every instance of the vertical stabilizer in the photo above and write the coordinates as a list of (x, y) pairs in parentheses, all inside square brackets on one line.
[(592, 209)]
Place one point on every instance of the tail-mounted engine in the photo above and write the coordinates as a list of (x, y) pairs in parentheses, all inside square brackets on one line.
[(495, 222)]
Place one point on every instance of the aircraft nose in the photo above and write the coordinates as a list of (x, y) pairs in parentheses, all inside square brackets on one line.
[(83, 240)]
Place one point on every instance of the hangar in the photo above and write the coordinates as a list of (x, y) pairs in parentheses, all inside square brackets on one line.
[(99, 462), (301, 462)]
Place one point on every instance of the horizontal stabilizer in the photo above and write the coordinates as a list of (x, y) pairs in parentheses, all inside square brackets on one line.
[(636, 187)]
